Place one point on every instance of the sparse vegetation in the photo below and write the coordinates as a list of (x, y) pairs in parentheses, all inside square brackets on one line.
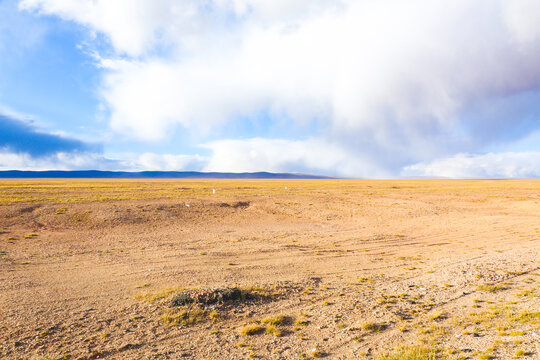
[(437, 316), (155, 296), (184, 317), (414, 353), (121, 248), (485, 356), (522, 353), (525, 317)]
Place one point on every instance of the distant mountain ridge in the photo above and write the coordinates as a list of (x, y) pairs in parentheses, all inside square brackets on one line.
[(98, 174)]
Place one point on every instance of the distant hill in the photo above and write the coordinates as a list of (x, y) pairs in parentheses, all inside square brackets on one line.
[(96, 174)]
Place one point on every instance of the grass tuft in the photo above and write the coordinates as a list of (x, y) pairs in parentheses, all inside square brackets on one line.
[(275, 320), (373, 327), (492, 288), (215, 315), (156, 296), (252, 329), (176, 317), (527, 317), (273, 330)]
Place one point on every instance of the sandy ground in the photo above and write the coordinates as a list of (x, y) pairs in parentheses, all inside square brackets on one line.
[(357, 269)]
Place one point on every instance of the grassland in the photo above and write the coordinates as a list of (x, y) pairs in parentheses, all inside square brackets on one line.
[(105, 190), (339, 269)]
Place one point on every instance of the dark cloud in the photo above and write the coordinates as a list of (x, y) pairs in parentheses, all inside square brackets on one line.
[(20, 137)]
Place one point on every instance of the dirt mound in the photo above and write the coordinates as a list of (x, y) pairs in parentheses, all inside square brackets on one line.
[(236, 205), (208, 296)]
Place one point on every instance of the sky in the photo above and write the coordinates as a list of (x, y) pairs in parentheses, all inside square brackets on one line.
[(348, 88)]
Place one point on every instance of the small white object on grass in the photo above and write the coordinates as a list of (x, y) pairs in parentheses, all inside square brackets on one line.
[(187, 205), (285, 188), (213, 191)]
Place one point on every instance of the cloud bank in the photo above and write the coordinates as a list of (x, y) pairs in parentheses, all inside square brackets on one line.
[(378, 86), (501, 165), (24, 146), (17, 136)]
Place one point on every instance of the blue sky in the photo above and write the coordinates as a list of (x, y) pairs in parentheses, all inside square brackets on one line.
[(352, 88)]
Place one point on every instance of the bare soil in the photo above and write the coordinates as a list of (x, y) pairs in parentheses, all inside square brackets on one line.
[(357, 269)]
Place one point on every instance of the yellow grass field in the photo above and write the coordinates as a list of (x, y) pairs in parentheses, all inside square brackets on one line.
[(339, 269)]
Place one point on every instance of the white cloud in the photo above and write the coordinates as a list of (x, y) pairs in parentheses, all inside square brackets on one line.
[(137, 26), (163, 162), (523, 17), (501, 165), (131, 25), (56, 161), (311, 156), (390, 82), (94, 161)]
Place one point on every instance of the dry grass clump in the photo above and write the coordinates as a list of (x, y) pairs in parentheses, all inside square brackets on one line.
[(215, 315), (155, 296), (485, 356), (521, 353), (273, 330), (526, 293), (373, 327), (437, 316), (492, 288), (414, 353), (272, 326), (275, 320), (527, 317), (259, 293), (176, 317), (251, 329), (316, 353)]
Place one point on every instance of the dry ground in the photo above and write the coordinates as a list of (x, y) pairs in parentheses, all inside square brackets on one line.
[(347, 269)]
